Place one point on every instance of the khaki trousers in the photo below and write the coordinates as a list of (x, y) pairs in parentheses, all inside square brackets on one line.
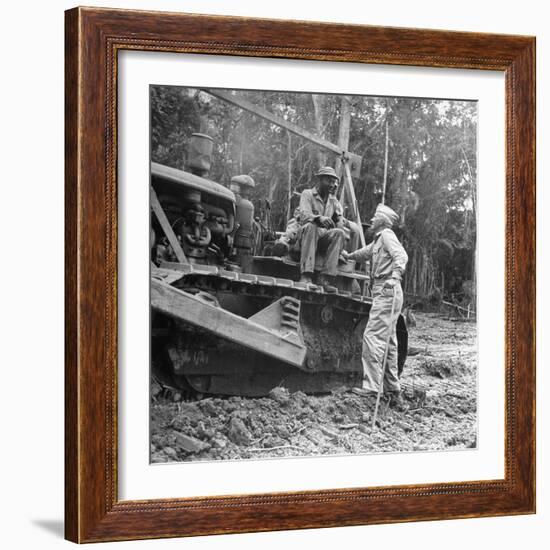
[(315, 239), (375, 336)]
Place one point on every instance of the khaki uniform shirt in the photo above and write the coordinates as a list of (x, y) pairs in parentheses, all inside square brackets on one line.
[(386, 255), (312, 207)]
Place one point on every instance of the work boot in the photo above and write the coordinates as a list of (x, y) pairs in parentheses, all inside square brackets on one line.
[(326, 284), (396, 401), (306, 278), (368, 396), (280, 248), (363, 392)]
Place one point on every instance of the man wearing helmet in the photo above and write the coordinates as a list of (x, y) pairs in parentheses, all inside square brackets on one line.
[(388, 260)]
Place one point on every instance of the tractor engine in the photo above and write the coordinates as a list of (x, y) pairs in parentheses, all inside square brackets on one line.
[(200, 211)]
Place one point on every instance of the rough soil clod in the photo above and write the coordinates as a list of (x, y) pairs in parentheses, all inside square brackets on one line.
[(439, 386)]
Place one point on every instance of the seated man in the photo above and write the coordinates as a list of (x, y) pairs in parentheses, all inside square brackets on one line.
[(288, 241), (289, 237), (321, 228)]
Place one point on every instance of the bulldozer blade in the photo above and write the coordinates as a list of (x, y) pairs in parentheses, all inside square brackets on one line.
[(284, 345)]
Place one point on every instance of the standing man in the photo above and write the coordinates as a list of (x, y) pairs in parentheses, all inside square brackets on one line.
[(321, 228), (388, 260)]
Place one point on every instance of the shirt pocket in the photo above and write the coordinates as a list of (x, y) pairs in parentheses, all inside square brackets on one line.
[(376, 249)]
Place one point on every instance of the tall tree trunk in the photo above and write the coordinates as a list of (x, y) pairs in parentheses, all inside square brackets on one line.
[(471, 218), (242, 142), (400, 196), (289, 155), (343, 141), (273, 185), (385, 181), (343, 129), (318, 101)]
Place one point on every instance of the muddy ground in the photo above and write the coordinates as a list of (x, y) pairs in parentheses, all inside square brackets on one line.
[(440, 394)]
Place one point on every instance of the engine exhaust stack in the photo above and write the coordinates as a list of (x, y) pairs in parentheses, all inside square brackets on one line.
[(199, 154)]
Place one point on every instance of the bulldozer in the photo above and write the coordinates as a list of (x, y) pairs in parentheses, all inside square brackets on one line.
[(227, 316)]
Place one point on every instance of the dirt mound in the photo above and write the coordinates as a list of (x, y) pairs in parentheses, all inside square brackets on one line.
[(444, 368), (438, 388)]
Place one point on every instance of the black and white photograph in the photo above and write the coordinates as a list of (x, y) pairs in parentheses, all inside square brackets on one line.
[(313, 274), (287, 279)]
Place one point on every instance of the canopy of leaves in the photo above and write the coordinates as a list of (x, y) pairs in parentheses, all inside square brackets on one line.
[(430, 171)]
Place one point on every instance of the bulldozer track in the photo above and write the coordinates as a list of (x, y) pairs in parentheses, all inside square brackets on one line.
[(329, 322), (213, 278)]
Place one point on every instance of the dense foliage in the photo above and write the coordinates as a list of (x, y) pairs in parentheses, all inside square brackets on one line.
[(430, 170)]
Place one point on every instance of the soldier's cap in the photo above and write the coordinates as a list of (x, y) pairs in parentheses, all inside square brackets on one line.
[(243, 179), (387, 213), (327, 171)]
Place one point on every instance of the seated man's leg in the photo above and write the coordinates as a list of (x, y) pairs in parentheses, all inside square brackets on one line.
[(332, 241), (285, 242), (309, 236), (354, 241)]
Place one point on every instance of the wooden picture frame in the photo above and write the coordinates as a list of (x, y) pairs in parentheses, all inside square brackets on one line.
[(93, 39)]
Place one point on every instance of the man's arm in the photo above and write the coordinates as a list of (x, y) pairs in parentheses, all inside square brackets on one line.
[(361, 254), (306, 209), (307, 214), (397, 252)]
